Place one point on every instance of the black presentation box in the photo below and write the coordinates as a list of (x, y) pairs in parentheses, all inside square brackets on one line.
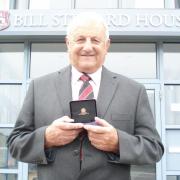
[(83, 111)]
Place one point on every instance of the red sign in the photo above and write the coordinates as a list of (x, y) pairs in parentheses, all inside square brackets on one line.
[(4, 20)]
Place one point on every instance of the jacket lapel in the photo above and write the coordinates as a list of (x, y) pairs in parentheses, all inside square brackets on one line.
[(107, 90), (63, 88)]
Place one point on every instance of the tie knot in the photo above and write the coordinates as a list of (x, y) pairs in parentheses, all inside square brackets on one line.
[(85, 78)]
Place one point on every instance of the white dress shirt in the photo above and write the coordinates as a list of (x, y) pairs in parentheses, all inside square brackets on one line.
[(76, 83)]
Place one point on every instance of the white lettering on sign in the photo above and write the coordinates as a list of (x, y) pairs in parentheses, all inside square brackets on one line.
[(118, 20), (115, 21), (30, 20)]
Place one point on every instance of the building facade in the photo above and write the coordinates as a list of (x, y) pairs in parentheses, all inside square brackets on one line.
[(145, 37)]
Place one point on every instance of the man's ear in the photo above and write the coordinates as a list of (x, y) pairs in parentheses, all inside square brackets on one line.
[(108, 43), (67, 41)]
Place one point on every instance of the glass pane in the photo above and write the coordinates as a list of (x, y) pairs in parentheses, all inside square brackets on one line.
[(172, 104), (151, 97), (145, 172), (8, 177), (96, 4), (32, 175), (177, 4), (173, 177), (142, 4), (47, 58), (173, 4), (21, 4), (4, 4), (11, 60), (172, 150), (10, 103), (6, 161), (172, 61), (136, 60), (50, 4)]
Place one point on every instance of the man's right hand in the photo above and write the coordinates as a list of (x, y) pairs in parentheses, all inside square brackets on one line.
[(61, 132)]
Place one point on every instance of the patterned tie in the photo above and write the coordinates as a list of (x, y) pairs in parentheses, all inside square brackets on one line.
[(86, 91)]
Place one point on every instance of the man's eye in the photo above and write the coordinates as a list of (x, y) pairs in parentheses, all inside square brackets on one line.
[(80, 40), (96, 41)]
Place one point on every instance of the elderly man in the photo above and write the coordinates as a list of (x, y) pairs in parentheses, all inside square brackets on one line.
[(124, 131)]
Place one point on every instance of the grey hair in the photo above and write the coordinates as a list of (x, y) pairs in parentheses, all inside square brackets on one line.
[(83, 19)]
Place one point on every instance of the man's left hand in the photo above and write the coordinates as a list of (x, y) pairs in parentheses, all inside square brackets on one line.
[(103, 136)]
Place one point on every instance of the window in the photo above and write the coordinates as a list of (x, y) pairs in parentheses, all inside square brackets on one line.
[(4, 4), (173, 177), (10, 103), (172, 102), (136, 60), (173, 4), (142, 3), (8, 177), (96, 4), (49, 4), (6, 161), (177, 3), (46, 58), (11, 61), (173, 150), (32, 174), (100, 4), (171, 61)]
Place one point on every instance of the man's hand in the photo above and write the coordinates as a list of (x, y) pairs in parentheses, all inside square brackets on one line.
[(61, 132), (104, 136)]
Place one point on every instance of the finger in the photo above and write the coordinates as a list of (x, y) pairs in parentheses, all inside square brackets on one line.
[(102, 122), (95, 129), (64, 119), (70, 126)]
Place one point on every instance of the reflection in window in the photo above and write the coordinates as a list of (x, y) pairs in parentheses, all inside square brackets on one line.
[(47, 58), (32, 175), (11, 61), (136, 60), (61, 4), (172, 102), (8, 177), (142, 3), (6, 161), (172, 150), (177, 4), (96, 4), (173, 4), (10, 103), (173, 177), (49, 4), (20, 4), (171, 61), (4, 4), (151, 97)]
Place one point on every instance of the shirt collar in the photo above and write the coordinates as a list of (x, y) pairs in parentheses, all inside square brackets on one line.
[(96, 76)]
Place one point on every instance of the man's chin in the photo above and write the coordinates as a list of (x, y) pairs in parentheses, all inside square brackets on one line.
[(87, 68)]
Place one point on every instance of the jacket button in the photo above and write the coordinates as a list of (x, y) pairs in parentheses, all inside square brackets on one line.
[(76, 152)]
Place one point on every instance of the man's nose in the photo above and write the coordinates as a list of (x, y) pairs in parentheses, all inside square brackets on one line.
[(87, 45)]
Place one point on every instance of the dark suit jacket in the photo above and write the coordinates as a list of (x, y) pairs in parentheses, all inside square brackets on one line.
[(121, 101)]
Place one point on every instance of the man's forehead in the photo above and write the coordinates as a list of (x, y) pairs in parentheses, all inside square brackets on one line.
[(89, 30)]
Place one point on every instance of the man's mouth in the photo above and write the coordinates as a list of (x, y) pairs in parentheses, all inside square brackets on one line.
[(87, 55)]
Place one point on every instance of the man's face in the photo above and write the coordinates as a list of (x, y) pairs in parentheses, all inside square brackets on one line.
[(87, 47)]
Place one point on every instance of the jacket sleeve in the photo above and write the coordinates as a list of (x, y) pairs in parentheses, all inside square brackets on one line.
[(25, 142), (144, 146)]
